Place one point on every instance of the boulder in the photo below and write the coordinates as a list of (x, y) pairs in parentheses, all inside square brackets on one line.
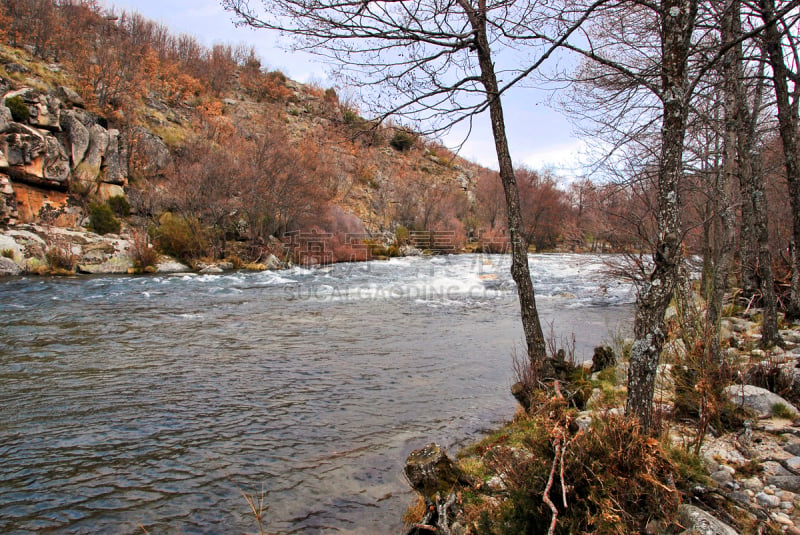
[(115, 265), (272, 262), (5, 117), (106, 191), (34, 156), (759, 400), (429, 471), (789, 482), (77, 136), (768, 500), (46, 113), (168, 265), (697, 521), (8, 267), (89, 169), (70, 96), (113, 166)]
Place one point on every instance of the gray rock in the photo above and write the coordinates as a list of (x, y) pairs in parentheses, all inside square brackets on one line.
[(8, 202), (740, 497), (211, 270), (5, 117), (87, 172), (272, 262), (753, 483), (171, 266), (792, 463), (70, 96), (793, 448), (46, 113), (78, 136), (584, 420), (774, 468), (757, 399), (767, 500), (115, 172), (16, 68), (8, 267), (698, 521), (106, 191), (785, 482), (113, 266), (496, 484), (674, 351), (722, 476)]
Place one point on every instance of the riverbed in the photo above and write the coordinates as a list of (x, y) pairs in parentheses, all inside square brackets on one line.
[(155, 402)]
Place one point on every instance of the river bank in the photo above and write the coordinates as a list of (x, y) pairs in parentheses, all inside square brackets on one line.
[(727, 462), (47, 250)]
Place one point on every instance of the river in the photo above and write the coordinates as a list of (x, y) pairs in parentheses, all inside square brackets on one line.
[(154, 402)]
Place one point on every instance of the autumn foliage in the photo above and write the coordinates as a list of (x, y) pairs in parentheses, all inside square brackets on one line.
[(304, 167)]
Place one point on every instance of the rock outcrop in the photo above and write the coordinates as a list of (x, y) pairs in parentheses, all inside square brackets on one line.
[(60, 147)]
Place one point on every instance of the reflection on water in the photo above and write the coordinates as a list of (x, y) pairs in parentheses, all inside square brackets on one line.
[(154, 401)]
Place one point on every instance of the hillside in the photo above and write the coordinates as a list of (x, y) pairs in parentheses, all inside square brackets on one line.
[(209, 153)]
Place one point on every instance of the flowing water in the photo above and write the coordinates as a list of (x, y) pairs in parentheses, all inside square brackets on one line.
[(157, 401)]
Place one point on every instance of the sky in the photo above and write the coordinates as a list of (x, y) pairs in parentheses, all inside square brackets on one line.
[(539, 136)]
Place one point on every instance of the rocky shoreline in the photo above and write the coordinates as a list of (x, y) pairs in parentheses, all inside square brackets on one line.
[(744, 478), (24, 249)]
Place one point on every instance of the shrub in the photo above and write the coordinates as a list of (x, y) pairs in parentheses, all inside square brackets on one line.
[(401, 235), (612, 475), (19, 110), (142, 253), (181, 237), (331, 96), (120, 205), (102, 220), (350, 116), (8, 253), (403, 140), (59, 257)]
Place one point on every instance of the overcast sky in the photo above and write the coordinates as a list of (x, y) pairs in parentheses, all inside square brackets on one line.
[(539, 136)]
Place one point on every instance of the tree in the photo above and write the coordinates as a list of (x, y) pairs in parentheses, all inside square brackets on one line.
[(545, 208), (780, 41), (432, 61), (647, 47), (668, 51)]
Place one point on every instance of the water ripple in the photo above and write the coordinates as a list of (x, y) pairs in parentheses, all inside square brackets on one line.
[(159, 400)]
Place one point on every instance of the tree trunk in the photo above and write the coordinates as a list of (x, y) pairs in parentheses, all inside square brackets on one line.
[(520, 272), (787, 123), (755, 199), (747, 249), (725, 239), (677, 24)]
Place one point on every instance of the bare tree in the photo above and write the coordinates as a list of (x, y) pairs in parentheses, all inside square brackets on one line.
[(665, 49), (780, 43), (437, 63)]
